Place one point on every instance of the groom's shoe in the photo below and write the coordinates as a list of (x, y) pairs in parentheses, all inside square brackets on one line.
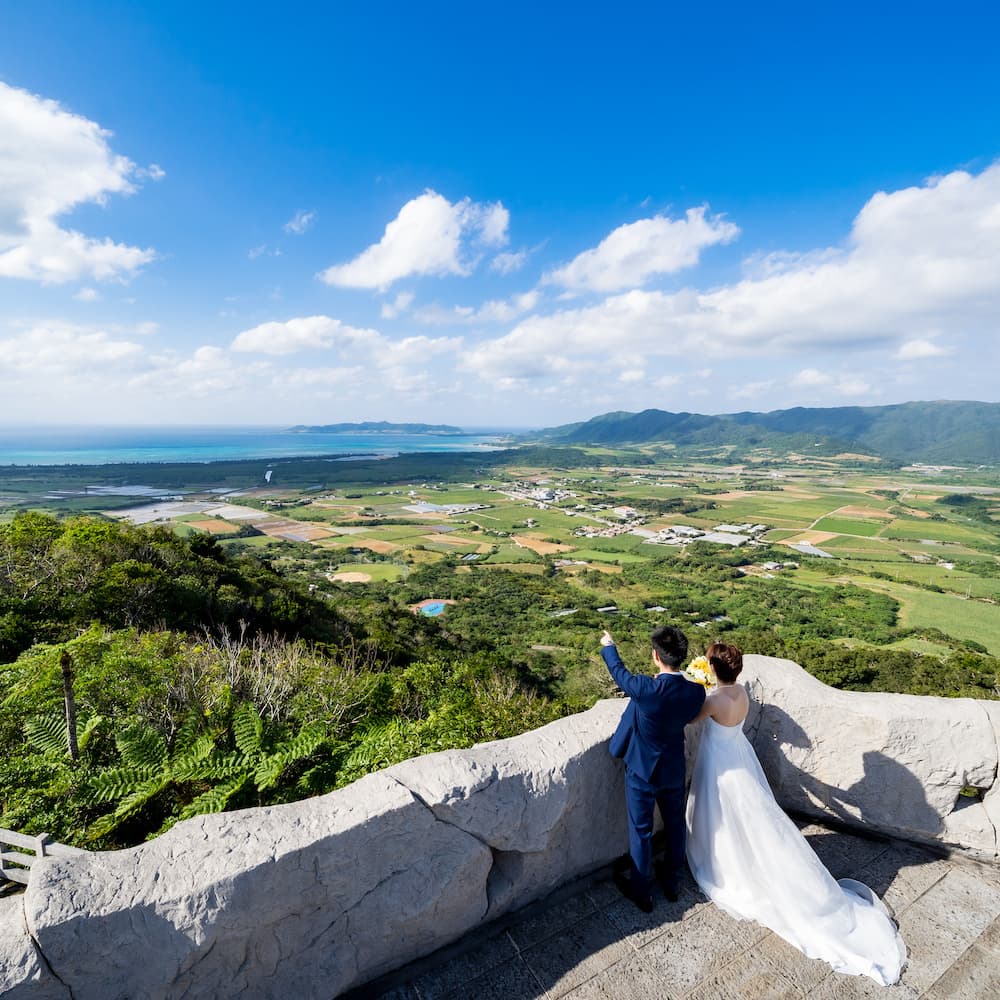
[(625, 887), (668, 881)]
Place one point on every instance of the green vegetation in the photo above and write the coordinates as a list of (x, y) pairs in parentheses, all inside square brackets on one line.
[(943, 431), (214, 671)]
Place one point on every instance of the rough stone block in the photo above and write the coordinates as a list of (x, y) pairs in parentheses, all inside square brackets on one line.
[(890, 762), (300, 900), (550, 804), (23, 973)]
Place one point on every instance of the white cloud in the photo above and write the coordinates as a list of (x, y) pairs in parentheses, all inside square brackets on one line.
[(637, 251), (301, 334), (853, 386), (914, 350), (300, 222), (836, 384), (87, 295), (263, 250), (65, 350), (52, 161), (919, 262), (509, 261), (632, 375), (491, 311), (402, 302), (811, 376), (370, 362), (429, 236)]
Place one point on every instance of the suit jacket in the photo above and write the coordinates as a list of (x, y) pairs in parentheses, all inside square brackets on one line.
[(654, 720)]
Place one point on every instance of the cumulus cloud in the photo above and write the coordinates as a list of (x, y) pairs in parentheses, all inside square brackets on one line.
[(429, 236), (399, 305), (300, 334), (509, 261), (300, 222), (637, 251), (65, 350), (914, 350), (491, 311), (87, 295), (917, 262), (360, 346), (52, 161)]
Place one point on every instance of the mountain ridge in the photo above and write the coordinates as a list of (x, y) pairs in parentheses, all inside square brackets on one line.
[(963, 432)]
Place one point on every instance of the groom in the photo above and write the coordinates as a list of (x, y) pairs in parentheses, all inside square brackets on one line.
[(650, 737)]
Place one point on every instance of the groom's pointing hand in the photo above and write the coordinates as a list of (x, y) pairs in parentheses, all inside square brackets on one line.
[(606, 639)]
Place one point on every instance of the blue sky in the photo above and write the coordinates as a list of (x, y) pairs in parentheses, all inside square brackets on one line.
[(521, 216)]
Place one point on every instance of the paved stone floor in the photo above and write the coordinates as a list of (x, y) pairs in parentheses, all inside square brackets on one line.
[(587, 942)]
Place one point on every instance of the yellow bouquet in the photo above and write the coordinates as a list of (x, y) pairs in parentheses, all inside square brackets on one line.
[(699, 670)]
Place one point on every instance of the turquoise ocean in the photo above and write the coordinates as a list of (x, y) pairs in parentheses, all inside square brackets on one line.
[(107, 445)]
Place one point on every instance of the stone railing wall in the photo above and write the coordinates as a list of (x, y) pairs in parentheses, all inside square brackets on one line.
[(312, 898)]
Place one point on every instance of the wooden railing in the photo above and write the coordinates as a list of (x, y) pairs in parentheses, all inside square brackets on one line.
[(15, 865)]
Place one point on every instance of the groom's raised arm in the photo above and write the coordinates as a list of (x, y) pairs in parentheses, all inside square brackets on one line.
[(634, 685)]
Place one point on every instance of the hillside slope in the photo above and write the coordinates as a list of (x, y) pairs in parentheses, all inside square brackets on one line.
[(942, 431)]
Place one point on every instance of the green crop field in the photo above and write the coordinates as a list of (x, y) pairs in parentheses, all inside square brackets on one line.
[(849, 526), (596, 555), (378, 572), (943, 531)]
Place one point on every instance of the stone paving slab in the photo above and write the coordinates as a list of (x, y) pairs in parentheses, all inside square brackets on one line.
[(588, 943)]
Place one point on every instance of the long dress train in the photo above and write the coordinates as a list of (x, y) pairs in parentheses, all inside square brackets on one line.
[(751, 860)]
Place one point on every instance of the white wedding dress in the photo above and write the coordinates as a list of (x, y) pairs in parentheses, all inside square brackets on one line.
[(751, 860)]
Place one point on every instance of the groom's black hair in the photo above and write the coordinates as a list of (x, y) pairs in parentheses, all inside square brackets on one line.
[(670, 644)]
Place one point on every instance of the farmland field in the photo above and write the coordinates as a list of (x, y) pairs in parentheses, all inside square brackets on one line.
[(886, 533)]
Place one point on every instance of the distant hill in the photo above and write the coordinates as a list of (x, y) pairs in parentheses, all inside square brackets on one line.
[(377, 427), (943, 432)]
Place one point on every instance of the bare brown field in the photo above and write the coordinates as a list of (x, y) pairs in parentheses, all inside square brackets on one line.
[(351, 578), (810, 537), (600, 567), (215, 526), (851, 511), (374, 544), (538, 546)]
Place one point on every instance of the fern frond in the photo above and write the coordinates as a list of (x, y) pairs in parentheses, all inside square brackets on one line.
[(298, 748), (119, 782), (248, 728), (47, 733), (141, 746), (130, 805), (86, 729), (134, 802), (192, 756), (212, 768), (215, 799)]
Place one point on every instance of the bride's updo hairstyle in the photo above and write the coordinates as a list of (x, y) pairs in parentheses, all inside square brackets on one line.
[(726, 661)]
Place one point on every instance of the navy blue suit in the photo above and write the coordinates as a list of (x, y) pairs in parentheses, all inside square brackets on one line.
[(653, 724)]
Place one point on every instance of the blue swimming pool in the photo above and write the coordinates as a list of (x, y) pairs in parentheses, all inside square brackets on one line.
[(432, 608)]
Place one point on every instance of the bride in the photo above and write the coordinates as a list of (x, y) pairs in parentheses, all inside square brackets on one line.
[(751, 860)]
